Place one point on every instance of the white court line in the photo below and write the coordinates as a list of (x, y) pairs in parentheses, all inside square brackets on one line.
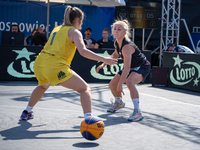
[(70, 110), (170, 100), (3, 106)]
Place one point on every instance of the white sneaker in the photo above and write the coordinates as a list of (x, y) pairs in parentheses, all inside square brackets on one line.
[(135, 116), (115, 106)]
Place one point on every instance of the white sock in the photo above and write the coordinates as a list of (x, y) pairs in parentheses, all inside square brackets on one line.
[(29, 108), (136, 103), (118, 100), (87, 114)]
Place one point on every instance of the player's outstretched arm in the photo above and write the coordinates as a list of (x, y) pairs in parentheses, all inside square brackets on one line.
[(114, 55)]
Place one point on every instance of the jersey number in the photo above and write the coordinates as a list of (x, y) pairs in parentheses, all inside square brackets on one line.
[(54, 34)]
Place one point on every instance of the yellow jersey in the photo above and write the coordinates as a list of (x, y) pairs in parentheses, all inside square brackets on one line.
[(59, 50), (51, 65)]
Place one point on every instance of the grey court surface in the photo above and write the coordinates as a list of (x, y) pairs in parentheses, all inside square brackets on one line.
[(171, 119)]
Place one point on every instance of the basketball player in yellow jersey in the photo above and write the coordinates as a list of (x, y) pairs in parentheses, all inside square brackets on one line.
[(52, 64)]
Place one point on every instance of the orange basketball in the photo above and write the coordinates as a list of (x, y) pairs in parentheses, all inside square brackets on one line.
[(92, 128)]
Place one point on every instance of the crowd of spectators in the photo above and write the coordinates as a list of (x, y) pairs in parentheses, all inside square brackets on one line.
[(101, 43), (38, 38)]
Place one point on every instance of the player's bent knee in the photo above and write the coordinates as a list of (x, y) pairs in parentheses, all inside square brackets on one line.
[(86, 88), (128, 83), (111, 86)]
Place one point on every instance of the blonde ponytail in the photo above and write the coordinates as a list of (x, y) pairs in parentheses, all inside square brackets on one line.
[(71, 13), (67, 21)]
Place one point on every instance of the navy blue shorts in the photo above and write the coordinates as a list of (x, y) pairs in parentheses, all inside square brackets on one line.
[(144, 70)]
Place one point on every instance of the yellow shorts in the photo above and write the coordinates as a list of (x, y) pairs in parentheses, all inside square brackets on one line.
[(52, 75)]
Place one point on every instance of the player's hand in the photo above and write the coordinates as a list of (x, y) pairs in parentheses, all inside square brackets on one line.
[(100, 67), (110, 61)]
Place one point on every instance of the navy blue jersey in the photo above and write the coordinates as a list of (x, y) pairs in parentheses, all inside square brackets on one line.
[(138, 58)]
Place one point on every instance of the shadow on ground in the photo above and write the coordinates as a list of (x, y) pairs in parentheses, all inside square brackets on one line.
[(22, 132)]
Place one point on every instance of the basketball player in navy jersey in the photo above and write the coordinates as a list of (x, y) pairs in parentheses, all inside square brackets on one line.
[(136, 68)]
